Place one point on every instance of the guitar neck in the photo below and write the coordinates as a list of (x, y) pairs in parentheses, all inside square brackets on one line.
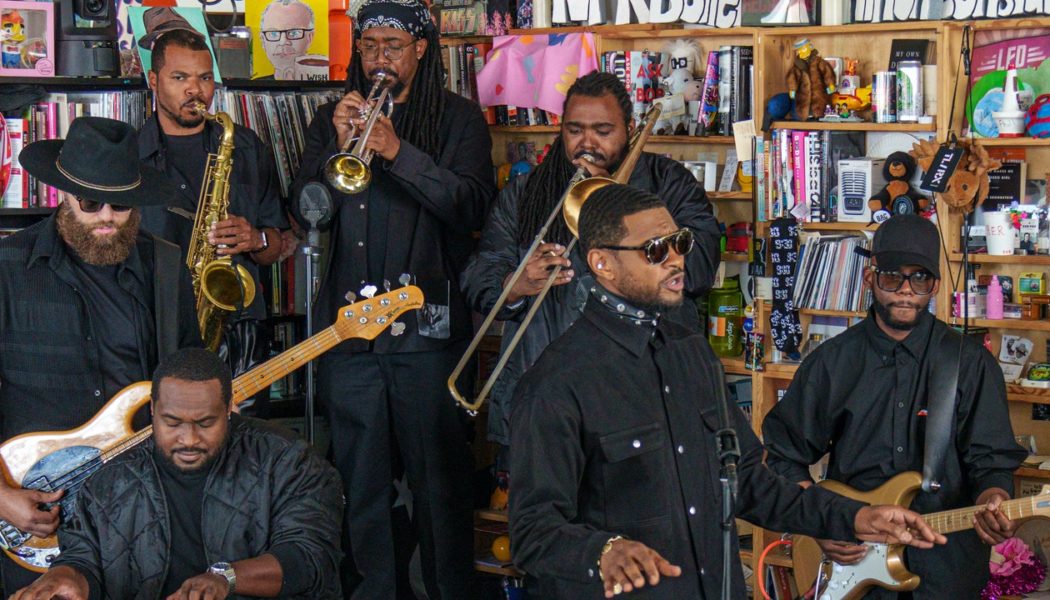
[(261, 377), (961, 519)]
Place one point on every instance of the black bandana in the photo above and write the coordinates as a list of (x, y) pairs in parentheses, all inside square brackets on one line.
[(410, 16)]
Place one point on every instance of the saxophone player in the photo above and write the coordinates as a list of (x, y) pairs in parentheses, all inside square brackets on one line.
[(177, 140)]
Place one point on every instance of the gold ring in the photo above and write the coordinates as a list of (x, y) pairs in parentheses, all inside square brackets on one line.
[(617, 589)]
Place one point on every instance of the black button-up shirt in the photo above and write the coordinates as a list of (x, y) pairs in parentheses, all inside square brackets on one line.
[(862, 396), (613, 433), (417, 217), (254, 193)]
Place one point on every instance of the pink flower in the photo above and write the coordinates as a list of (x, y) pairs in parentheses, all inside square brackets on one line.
[(1009, 556)]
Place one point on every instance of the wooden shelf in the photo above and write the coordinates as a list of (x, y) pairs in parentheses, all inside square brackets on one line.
[(683, 32), (283, 84), (1021, 141), (1032, 472), (690, 139), (482, 566), (734, 257), (839, 226), (729, 196), (488, 514), (833, 313), (79, 82), (521, 129), (1019, 324), (853, 29), (1014, 259), (863, 126), (735, 366), (1018, 393), (456, 40), (781, 370), (26, 212), (616, 30), (779, 557)]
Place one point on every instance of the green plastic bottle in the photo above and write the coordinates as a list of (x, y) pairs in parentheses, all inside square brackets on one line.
[(725, 310)]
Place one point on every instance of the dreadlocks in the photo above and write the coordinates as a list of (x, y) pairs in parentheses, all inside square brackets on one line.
[(417, 121), (547, 183)]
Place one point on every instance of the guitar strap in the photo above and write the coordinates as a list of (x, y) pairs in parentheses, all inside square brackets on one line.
[(942, 386), (166, 268)]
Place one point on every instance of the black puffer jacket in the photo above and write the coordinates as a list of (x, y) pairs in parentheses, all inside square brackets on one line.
[(267, 490), (500, 253)]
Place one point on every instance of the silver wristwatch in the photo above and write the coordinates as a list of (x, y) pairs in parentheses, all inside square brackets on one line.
[(226, 570)]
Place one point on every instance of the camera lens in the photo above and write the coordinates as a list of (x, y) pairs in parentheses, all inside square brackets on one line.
[(94, 8)]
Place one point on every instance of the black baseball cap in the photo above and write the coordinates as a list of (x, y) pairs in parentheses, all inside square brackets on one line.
[(907, 240)]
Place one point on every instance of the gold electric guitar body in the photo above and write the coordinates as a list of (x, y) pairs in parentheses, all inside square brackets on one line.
[(63, 460)]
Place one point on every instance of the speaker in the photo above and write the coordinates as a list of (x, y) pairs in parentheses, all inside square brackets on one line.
[(86, 39)]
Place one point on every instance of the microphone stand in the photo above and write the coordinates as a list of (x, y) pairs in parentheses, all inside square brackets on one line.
[(728, 453), (312, 249)]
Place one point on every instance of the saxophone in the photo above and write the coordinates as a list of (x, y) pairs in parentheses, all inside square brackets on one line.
[(220, 286)]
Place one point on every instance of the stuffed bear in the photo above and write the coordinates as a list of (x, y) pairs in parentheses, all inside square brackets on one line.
[(810, 81), (897, 197)]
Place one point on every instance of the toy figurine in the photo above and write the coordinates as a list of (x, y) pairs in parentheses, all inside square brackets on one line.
[(810, 81), (898, 197), (12, 38)]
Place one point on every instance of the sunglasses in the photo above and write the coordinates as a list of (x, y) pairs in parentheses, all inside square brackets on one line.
[(93, 206), (921, 282), (658, 249)]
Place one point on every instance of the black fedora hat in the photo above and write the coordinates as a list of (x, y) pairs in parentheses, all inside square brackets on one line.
[(160, 20), (98, 160)]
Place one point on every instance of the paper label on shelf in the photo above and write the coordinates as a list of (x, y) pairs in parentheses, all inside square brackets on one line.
[(743, 136)]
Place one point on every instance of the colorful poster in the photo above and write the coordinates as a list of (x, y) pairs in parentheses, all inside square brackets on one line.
[(129, 62), (148, 24), (535, 71), (289, 39)]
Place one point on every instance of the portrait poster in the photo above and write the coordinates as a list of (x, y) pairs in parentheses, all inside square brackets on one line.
[(289, 39), (161, 20)]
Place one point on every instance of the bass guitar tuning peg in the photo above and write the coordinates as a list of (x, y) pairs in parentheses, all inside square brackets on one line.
[(369, 291), (404, 279), (397, 328), (350, 297), (386, 284)]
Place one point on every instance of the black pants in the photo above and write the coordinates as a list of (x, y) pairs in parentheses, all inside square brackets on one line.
[(369, 398), (14, 576)]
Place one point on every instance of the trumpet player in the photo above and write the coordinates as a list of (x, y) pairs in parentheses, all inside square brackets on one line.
[(596, 123), (431, 184), (177, 140)]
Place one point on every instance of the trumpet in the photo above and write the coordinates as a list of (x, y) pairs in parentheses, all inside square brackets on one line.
[(578, 191), (348, 170)]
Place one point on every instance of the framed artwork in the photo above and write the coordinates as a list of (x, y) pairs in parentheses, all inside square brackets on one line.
[(27, 39)]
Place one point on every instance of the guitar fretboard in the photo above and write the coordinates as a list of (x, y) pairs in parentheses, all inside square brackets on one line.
[(961, 519)]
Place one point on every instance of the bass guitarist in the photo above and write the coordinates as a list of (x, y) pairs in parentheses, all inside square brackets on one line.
[(88, 302), (865, 397)]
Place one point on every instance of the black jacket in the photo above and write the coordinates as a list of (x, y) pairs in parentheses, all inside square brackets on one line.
[(50, 372), (500, 252), (421, 214), (254, 193), (614, 434), (268, 492)]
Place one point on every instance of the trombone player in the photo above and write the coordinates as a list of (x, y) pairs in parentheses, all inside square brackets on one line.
[(177, 140), (596, 122), (431, 181)]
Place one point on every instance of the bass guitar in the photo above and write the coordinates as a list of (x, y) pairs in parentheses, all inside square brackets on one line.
[(63, 460), (883, 565)]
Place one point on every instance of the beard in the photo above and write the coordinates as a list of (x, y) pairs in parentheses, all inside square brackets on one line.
[(885, 312), (650, 299), (93, 249), (176, 115), (610, 164), (396, 87)]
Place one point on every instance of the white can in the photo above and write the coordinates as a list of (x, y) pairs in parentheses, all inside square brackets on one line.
[(909, 91)]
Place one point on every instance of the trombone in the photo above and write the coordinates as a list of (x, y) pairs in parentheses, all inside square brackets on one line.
[(346, 171), (580, 188)]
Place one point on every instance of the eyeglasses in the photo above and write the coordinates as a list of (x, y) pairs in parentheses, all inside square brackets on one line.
[(370, 51), (658, 249), (93, 206), (274, 35), (921, 281)]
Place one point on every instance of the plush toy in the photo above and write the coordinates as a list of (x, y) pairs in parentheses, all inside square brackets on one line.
[(779, 107), (692, 93), (681, 60), (897, 197), (12, 38), (968, 184), (810, 81)]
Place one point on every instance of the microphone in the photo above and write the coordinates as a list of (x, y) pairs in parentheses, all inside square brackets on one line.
[(315, 204)]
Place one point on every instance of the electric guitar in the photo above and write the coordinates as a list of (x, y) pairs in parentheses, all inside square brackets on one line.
[(62, 460), (883, 565)]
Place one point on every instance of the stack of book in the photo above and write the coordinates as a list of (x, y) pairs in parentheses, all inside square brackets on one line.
[(463, 62), (796, 172), (280, 119), (50, 119), (830, 272)]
